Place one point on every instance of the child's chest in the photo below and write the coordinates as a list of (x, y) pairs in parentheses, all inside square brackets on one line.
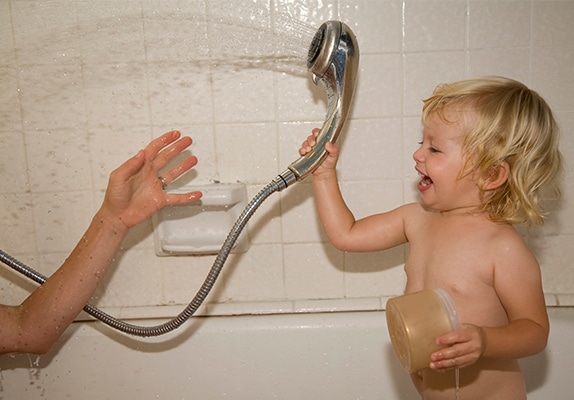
[(457, 256)]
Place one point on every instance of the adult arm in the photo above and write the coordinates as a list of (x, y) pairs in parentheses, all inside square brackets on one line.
[(133, 194)]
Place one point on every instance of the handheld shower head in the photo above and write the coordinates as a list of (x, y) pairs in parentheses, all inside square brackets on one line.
[(333, 59)]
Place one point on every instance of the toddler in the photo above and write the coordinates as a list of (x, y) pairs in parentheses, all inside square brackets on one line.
[(489, 147)]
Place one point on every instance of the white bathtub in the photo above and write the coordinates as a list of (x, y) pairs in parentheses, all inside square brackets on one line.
[(290, 356)]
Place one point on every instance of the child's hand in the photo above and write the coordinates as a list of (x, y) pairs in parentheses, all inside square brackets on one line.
[(465, 347), (333, 152)]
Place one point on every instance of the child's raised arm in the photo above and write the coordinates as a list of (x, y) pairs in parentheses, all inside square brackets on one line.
[(372, 233)]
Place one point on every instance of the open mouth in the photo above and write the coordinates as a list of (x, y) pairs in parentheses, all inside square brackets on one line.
[(425, 180)]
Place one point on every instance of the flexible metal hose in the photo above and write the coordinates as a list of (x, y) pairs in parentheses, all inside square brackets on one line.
[(157, 330)]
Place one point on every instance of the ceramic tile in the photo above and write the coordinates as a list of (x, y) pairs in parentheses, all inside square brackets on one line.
[(424, 71), (371, 274), (313, 271), (555, 256), (179, 95), (300, 223), (371, 150), (264, 227), (563, 210), (434, 25), (552, 23), (299, 99), (245, 95), (183, 276), (16, 212), (378, 90), (8, 52), (10, 110), (242, 13), (499, 24), (552, 71), (133, 278), (13, 163), (46, 32), (378, 25), (175, 31), (310, 12), (52, 97), (116, 95), (60, 219), (510, 62), (58, 161), (256, 162), (110, 31), (256, 275), (372, 197)]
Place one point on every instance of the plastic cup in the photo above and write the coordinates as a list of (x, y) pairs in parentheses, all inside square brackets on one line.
[(415, 320)]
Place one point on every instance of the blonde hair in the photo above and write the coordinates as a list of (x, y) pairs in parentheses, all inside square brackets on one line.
[(511, 124)]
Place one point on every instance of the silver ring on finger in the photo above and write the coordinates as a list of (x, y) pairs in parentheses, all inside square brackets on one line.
[(163, 182)]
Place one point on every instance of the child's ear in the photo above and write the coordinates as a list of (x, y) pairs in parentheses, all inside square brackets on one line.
[(498, 176)]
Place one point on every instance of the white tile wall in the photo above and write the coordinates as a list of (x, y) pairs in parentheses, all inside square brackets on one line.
[(84, 85)]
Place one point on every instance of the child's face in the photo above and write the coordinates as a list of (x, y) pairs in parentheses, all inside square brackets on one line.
[(440, 160)]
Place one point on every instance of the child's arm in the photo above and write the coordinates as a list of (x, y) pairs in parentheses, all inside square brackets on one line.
[(518, 284), (375, 232)]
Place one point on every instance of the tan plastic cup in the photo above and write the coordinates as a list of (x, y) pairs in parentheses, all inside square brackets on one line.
[(415, 320)]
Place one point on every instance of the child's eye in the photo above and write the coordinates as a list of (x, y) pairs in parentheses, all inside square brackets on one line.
[(432, 149)]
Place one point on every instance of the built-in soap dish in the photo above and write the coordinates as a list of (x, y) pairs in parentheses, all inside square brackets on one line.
[(201, 227)]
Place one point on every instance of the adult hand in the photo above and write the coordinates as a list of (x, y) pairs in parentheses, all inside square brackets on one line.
[(135, 191)]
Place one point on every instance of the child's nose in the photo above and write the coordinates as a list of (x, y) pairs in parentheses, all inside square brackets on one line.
[(418, 155)]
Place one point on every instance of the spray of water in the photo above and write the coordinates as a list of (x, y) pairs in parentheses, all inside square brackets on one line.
[(214, 35)]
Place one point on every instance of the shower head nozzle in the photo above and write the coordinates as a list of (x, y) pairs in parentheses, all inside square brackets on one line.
[(323, 47), (333, 59)]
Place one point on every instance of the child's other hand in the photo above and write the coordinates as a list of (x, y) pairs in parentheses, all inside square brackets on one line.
[(330, 161), (465, 347)]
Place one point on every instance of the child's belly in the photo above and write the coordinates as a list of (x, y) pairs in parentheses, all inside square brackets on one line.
[(486, 380)]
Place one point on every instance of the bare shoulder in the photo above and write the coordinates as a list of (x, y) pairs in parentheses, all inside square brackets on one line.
[(416, 220), (514, 262), (506, 241), (415, 214), (411, 211)]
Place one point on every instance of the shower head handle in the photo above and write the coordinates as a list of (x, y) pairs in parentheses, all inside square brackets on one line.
[(333, 60)]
